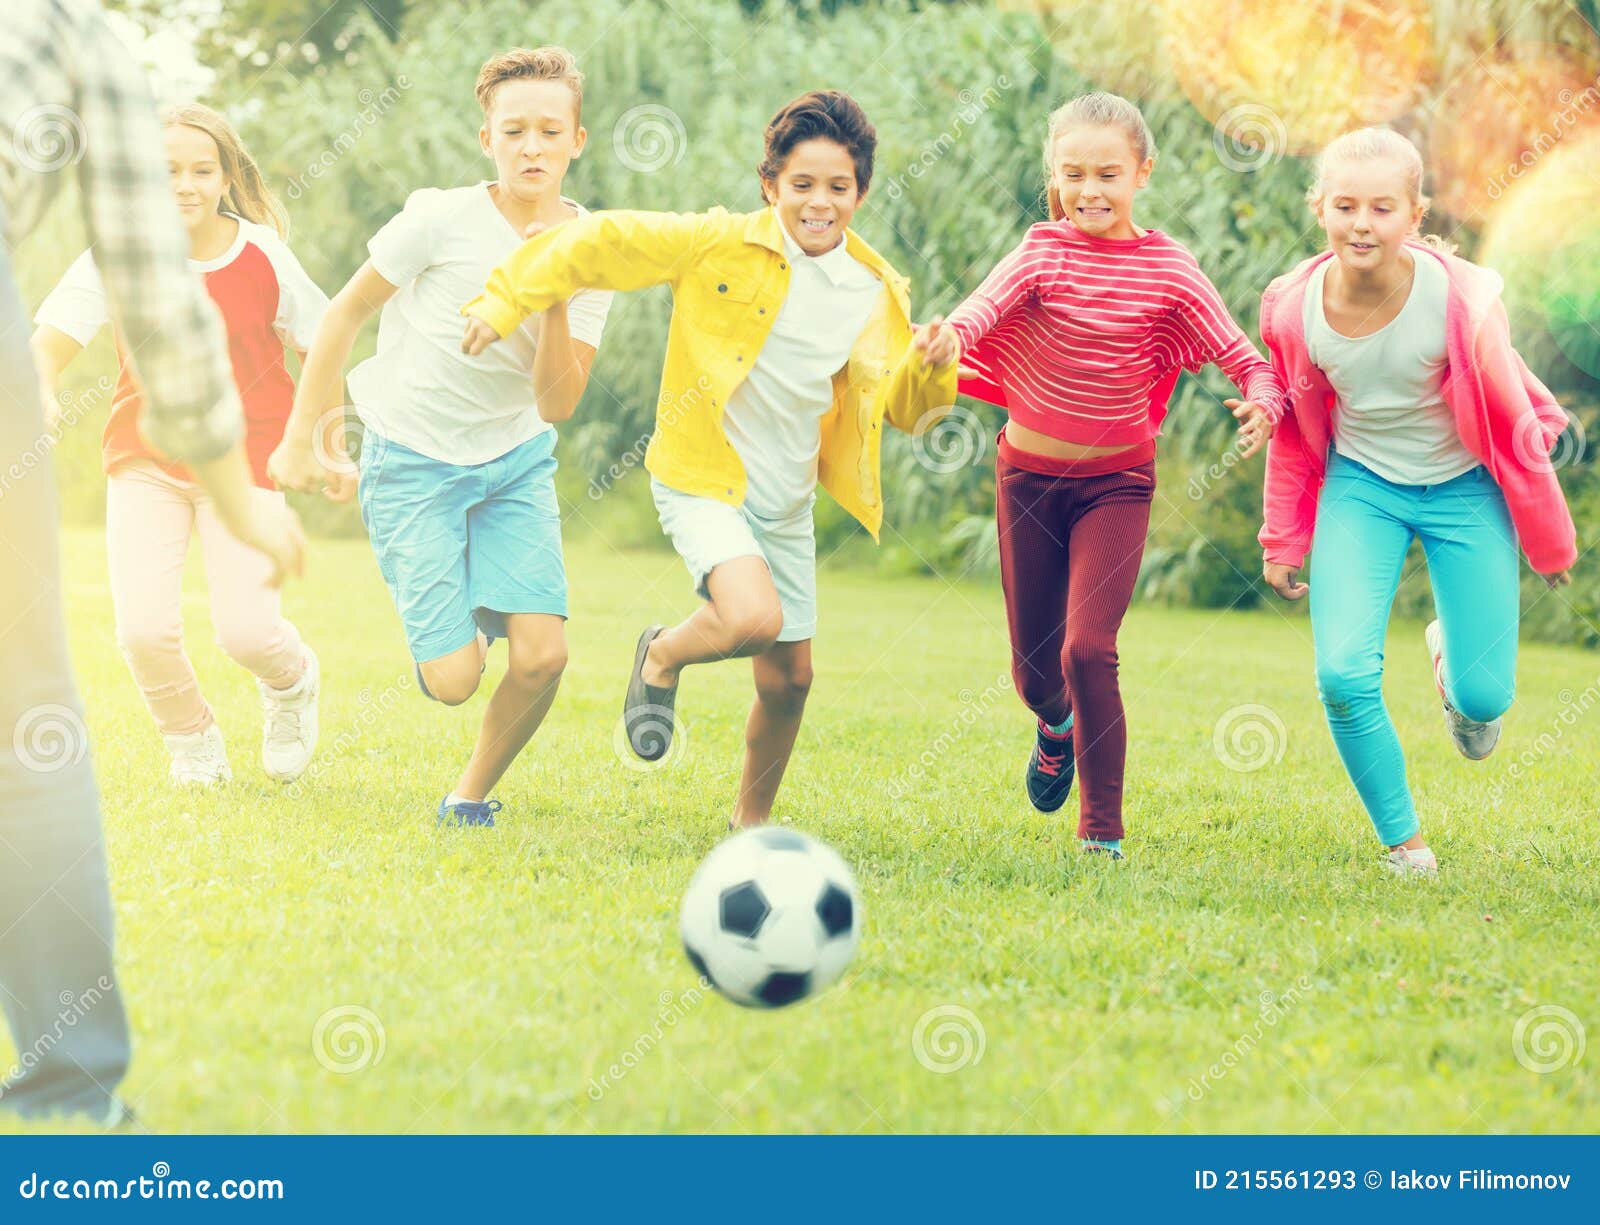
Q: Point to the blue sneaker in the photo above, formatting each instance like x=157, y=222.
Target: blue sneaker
x=467, y=812
x=1099, y=846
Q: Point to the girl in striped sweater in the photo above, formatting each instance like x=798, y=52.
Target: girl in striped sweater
x=1080, y=333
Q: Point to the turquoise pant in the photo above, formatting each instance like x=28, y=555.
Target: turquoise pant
x=1365, y=525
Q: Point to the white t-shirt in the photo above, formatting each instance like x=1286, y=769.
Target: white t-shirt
x=1392, y=417
x=419, y=389
x=78, y=306
x=774, y=418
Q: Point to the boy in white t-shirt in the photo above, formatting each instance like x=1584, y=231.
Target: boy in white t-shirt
x=457, y=466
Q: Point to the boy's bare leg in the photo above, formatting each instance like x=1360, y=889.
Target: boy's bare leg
x=743, y=617
x=783, y=679
x=537, y=646
x=453, y=678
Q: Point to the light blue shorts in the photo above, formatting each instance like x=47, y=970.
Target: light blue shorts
x=462, y=545
x=706, y=533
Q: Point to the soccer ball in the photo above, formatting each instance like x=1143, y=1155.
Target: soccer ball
x=771, y=917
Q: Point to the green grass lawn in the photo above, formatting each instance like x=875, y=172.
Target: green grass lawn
x=1249, y=967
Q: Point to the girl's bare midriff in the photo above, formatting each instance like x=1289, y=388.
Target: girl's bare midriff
x=1035, y=443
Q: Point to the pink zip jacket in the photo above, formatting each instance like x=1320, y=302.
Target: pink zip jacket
x=1505, y=416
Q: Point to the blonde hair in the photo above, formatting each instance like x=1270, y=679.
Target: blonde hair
x=248, y=195
x=539, y=64
x=1098, y=109
x=1370, y=145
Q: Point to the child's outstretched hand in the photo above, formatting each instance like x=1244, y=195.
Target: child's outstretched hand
x=1562, y=578
x=273, y=529
x=51, y=405
x=1255, y=426
x=535, y=228
x=938, y=344
x=478, y=336
x=1282, y=580
x=295, y=464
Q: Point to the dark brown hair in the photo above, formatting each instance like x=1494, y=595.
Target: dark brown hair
x=825, y=114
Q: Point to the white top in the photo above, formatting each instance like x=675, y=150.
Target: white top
x=419, y=389
x=774, y=417
x=1392, y=417
x=78, y=307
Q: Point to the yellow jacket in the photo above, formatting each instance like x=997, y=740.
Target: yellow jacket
x=729, y=276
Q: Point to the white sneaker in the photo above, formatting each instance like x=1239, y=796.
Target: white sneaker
x=1475, y=740
x=289, y=732
x=1420, y=862
x=199, y=759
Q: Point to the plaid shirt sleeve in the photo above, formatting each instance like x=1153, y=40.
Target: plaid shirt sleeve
x=86, y=84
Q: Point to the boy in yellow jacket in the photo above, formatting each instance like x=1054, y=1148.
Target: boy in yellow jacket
x=789, y=346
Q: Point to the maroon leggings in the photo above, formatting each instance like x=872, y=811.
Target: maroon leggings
x=1070, y=547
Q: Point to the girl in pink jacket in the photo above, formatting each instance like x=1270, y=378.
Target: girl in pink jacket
x=1410, y=416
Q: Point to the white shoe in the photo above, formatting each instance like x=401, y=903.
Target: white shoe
x=289, y=732
x=1420, y=862
x=199, y=759
x=1475, y=740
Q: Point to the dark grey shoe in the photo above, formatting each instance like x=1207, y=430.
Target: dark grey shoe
x=647, y=713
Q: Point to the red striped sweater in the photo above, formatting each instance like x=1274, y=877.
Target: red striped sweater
x=1082, y=338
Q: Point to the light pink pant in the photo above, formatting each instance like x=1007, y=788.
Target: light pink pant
x=149, y=519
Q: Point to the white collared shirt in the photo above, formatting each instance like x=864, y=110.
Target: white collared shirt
x=774, y=418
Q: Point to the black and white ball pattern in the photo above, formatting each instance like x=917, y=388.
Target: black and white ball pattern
x=771, y=917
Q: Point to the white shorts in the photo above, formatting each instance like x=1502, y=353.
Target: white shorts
x=706, y=533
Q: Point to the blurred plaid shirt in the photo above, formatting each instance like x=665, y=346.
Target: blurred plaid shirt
x=72, y=95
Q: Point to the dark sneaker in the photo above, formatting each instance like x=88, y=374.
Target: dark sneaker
x=1050, y=770
x=467, y=812
x=647, y=714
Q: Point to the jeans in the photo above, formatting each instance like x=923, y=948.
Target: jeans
x=1365, y=525
x=57, y=983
